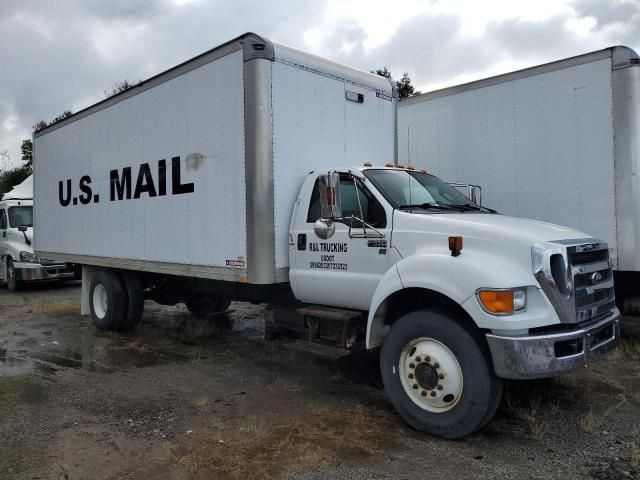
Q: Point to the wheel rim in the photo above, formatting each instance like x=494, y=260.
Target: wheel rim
x=100, y=300
x=431, y=375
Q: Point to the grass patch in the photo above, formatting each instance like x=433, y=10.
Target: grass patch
x=534, y=412
x=260, y=450
x=60, y=309
x=635, y=453
x=630, y=348
x=591, y=422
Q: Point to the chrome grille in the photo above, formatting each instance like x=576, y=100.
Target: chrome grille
x=576, y=276
x=593, y=282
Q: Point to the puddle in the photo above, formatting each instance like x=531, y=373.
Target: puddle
x=50, y=348
x=98, y=353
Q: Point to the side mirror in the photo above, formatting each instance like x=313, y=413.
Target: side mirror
x=330, y=204
x=324, y=228
x=475, y=192
x=22, y=228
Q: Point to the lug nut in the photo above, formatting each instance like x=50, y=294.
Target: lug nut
x=411, y=375
x=412, y=365
x=427, y=358
x=433, y=394
x=440, y=387
x=418, y=359
x=441, y=376
x=415, y=386
x=423, y=393
x=436, y=365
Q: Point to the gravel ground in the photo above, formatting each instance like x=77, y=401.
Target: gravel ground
x=180, y=398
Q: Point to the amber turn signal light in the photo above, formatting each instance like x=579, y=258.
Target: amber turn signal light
x=455, y=245
x=496, y=301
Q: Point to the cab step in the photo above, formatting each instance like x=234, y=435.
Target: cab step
x=318, y=349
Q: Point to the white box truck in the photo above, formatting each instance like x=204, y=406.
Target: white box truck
x=231, y=177
x=558, y=142
x=18, y=264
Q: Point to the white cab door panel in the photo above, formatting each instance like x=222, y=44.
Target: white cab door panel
x=344, y=270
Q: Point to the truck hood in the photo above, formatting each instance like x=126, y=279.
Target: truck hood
x=504, y=235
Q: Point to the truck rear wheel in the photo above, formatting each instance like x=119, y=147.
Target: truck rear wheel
x=437, y=375
x=13, y=284
x=108, y=300
x=135, y=299
x=203, y=305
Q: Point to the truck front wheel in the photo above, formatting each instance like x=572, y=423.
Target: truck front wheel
x=437, y=376
x=108, y=300
x=13, y=284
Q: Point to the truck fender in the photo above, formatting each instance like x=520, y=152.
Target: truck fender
x=456, y=278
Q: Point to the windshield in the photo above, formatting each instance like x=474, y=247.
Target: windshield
x=405, y=188
x=21, y=217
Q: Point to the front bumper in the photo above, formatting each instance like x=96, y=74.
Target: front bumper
x=553, y=354
x=28, y=272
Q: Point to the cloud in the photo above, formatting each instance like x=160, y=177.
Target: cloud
x=62, y=55
x=56, y=56
x=607, y=12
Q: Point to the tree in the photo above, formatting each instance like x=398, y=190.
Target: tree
x=27, y=151
x=404, y=86
x=42, y=124
x=120, y=87
x=62, y=116
x=383, y=72
x=405, y=89
x=11, y=176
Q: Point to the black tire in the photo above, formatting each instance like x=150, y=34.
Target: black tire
x=481, y=392
x=135, y=299
x=203, y=305
x=111, y=314
x=13, y=284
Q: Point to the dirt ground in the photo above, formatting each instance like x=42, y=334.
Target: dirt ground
x=180, y=398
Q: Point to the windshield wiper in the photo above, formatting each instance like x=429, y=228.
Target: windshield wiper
x=427, y=206
x=473, y=207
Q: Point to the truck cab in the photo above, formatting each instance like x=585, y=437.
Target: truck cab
x=18, y=264
x=452, y=292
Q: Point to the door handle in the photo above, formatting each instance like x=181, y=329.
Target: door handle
x=302, y=241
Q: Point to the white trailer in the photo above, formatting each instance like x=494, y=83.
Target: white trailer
x=558, y=142
x=220, y=180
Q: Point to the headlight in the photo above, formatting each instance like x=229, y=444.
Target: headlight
x=28, y=257
x=502, y=301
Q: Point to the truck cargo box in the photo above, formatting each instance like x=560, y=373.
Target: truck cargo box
x=196, y=171
x=556, y=142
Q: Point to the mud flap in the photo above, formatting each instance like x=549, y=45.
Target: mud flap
x=87, y=275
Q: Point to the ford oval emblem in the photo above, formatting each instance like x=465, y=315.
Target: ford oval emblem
x=596, y=277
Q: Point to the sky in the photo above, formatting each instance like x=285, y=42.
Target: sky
x=62, y=55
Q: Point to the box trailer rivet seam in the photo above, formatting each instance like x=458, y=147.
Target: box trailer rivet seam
x=346, y=257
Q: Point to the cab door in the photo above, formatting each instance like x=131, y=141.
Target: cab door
x=345, y=269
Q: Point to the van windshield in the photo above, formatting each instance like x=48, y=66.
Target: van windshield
x=21, y=217
x=411, y=188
